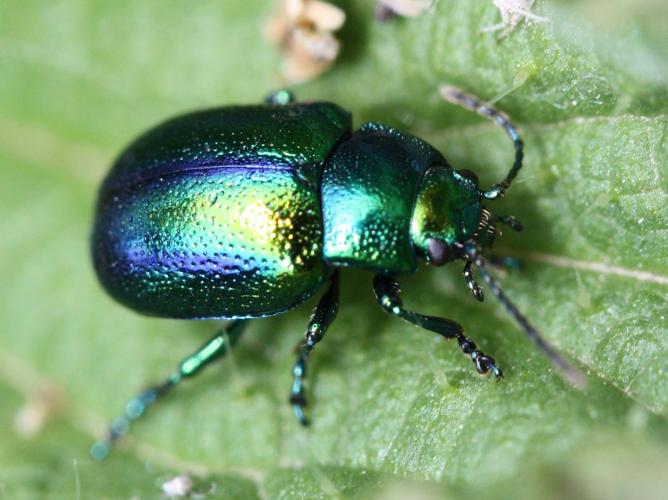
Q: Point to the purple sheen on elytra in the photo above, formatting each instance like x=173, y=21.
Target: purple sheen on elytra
x=186, y=235
x=257, y=246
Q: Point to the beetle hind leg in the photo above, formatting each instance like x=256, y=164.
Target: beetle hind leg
x=214, y=348
x=387, y=293
x=322, y=317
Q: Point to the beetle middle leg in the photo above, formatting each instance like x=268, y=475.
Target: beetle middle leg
x=280, y=97
x=387, y=293
x=214, y=348
x=322, y=316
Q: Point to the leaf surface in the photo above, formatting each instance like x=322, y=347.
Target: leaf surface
x=396, y=411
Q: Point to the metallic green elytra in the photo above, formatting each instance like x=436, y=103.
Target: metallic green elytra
x=246, y=211
x=241, y=212
x=217, y=214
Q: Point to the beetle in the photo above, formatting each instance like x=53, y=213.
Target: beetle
x=243, y=212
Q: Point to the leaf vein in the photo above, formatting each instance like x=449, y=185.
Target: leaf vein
x=597, y=267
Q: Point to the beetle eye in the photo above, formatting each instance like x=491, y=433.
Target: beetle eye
x=469, y=175
x=439, y=253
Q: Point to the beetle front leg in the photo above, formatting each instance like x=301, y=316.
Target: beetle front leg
x=214, y=348
x=473, y=287
x=387, y=293
x=322, y=316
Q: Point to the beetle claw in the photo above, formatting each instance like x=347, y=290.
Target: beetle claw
x=498, y=373
x=484, y=364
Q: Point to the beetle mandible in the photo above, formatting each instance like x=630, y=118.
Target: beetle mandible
x=245, y=211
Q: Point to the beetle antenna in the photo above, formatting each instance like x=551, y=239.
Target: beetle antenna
x=570, y=373
x=456, y=96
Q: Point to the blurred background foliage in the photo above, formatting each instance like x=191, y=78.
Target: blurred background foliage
x=396, y=411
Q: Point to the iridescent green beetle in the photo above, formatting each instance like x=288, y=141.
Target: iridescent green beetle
x=246, y=211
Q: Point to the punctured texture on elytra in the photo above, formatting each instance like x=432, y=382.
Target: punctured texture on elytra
x=217, y=213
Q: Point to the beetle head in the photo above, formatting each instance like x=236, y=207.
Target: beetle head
x=449, y=214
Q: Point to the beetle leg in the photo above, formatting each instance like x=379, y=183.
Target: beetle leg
x=387, y=293
x=214, y=348
x=280, y=97
x=510, y=221
x=475, y=290
x=572, y=374
x=322, y=316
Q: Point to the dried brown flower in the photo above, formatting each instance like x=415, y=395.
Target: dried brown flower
x=303, y=29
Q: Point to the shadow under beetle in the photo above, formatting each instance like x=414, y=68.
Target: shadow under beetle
x=245, y=211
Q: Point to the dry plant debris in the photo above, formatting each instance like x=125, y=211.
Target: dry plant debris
x=304, y=30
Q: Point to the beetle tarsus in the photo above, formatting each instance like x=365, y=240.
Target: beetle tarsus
x=484, y=364
x=473, y=286
x=297, y=395
x=134, y=409
x=298, y=402
x=323, y=315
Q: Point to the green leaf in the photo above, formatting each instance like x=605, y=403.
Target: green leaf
x=396, y=412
